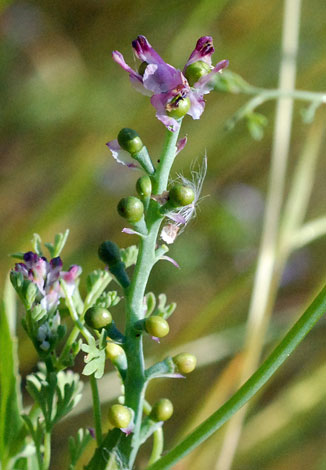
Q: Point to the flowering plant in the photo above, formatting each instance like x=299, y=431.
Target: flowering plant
x=157, y=215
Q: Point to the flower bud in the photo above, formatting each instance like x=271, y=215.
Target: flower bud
x=144, y=186
x=131, y=208
x=109, y=252
x=196, y=70
x=157, y=326
x=129, y=140
x=119, y=416
x=185, y=362
x=98, y=317
x=162, y=410
x=178, y=108
x=181, y=195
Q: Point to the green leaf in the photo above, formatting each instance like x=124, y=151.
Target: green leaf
x=256, y=123
x=10, y=403
x=129, y=255
x=37, y=244
x=95, y=359
x=78, y=445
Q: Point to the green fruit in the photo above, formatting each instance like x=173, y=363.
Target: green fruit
x=157, y=326
x=179, y=109
x=185, y=362
x=113, y=351
x=129, y=140
x=119, y=416
x=131, y=208
x=109, y=252
x=162, y=410
x=98, y=317
x=181, y=195
x=144, y=186
x=196, y=70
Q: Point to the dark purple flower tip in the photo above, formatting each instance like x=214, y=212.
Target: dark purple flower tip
x=145, y=52
x=56, y=262
x=205, y=46
x=141, y=45
x=31, y=257
x=92, y=432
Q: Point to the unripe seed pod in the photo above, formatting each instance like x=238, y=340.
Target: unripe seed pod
x=113, y=351
x=181, y=195
x=119, y=416
x=162, y=410
x=131, y=208
x=109, y=252
x=178, y=110
x=129, y=140
x=98, y=317
x=196, y=70
x=144, y=186
x=157, y=326
x=185, y=362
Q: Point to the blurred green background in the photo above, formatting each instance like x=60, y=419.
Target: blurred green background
x=63, y=98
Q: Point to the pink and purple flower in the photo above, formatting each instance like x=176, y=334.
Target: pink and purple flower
x=168, y=87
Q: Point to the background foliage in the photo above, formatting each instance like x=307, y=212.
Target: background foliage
x=63, y=98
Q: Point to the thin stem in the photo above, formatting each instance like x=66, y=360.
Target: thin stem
x=96, y=410
x=47, y=451
x=309, y=232
x=267, y=272
x=293, y=338
x=158, y=444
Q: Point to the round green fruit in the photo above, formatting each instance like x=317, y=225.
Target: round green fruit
x=180, y=108
x=129, y=140
x=196, y=70
x=144, y=186
x=119, y=416
x=98, y=317
x=113, y=351
x=181, y=195
x=157, y=326
x=185, y=362
x=162, y=410
x=131, y=208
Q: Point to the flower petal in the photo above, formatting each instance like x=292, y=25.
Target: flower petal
x=160, y=78
x=206, y=84
x=181, y=144
x=171, y=260
x=119, y=59
x=159, y=102
x=130, y=231
x=203, y=51
x=145, y=52
x=121, y=156
x=197, y=104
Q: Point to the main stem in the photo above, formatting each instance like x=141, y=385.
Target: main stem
x=135, y=382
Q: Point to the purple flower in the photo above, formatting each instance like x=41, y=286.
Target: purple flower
x=167, y=86
x=46, y=275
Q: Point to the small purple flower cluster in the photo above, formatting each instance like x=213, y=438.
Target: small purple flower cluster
x=46, y=275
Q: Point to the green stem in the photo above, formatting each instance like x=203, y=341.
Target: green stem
x=293, y=338
x=96, y=410
x=135, y=382
x=47, y=451
x=158, y=444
